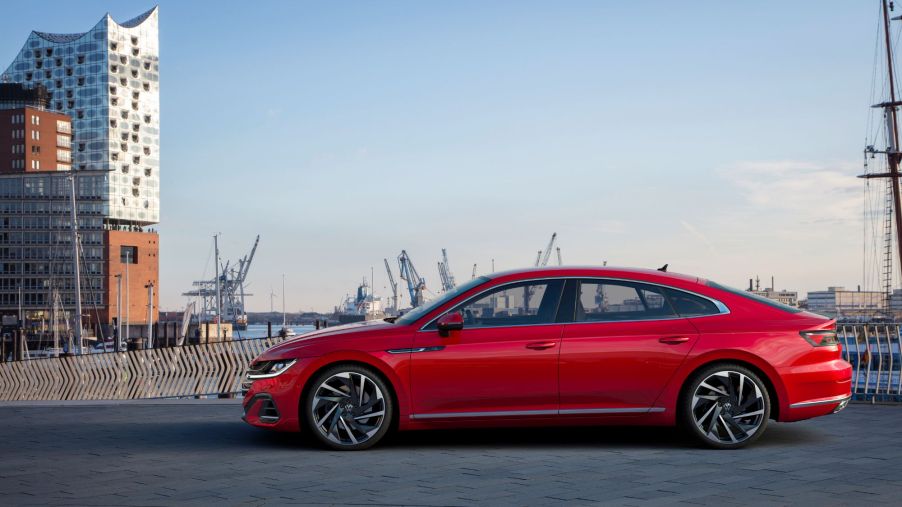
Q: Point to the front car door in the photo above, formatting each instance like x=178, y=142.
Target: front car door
x=624, y=342
x=503, y=363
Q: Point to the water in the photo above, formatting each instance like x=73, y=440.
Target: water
x=259, y=330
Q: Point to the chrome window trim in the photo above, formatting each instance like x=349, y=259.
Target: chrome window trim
x=521, y=413
x=721, y=307
x=829, y=401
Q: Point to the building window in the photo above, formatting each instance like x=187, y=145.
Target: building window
x=35, y=135
x=80, y=59
x=128, y=254
x=63, y=156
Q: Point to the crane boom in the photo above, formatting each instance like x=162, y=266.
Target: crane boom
x=415, y=284
x=444, y=271
x=547, y=254
x=394, y=287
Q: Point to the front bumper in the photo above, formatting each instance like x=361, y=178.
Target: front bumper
x=272, y=403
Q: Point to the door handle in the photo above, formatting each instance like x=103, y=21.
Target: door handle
x=541, y=345
x=674, y=340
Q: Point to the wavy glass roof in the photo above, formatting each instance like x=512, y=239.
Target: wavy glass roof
x=69, y=37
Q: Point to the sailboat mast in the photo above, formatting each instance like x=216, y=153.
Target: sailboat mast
x=284, y=323
x=218, y=296
x=892, y=135
x=76, y=268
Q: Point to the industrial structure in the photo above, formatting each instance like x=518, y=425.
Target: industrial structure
x=416, y=285
x=221, y=299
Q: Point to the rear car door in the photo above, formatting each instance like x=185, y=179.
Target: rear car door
x=622, y=345
x=503, y=363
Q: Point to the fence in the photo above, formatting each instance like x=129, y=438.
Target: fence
x=874, y=350
x=876, y=358
x=191, y=370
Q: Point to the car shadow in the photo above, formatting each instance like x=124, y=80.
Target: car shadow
x=586, y=437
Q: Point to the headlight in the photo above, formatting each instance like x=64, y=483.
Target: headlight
x=269, y=369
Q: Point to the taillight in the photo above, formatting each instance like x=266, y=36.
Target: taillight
x=820, y=338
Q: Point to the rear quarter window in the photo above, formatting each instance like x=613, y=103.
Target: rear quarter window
x=754, y=297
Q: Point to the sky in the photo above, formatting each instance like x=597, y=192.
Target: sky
x=722, y=138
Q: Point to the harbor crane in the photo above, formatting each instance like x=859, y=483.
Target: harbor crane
x=542, y=258
x=394, y=288
x=231, y=289
x=474, y=272
x=415, y=284
x=559, y=261
x=444, y=272
x=541, y=261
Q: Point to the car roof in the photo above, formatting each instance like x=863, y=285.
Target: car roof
x=595, y=271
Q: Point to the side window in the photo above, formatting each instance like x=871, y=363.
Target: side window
x=602, y=300
x=513, y=305
x=690, y=305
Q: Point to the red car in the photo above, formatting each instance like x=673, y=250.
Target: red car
x=558, y=346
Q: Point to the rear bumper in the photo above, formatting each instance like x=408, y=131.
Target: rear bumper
x=817, y=389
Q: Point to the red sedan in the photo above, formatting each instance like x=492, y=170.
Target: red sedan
x=558, y=346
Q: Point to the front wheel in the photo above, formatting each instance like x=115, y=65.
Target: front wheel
x=348, y=408
x=726, y=406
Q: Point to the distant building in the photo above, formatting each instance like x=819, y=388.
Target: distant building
x=44, y=145
x=787, y=297
x=841, y=303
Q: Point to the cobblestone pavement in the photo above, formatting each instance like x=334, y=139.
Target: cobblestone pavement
x=201, y=453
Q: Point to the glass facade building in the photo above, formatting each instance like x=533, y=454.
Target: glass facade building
x=107, y=81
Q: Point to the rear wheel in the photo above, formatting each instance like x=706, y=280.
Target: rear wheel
x=348, y=407
x=726, y=406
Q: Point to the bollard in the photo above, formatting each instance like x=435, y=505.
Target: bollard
x=268, y=329
x=17, y=343
x=316, y=323
x=207, y=332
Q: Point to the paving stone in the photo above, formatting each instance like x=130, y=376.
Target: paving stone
x=202, y=454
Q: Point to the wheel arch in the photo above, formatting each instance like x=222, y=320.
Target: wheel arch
x=765, y=373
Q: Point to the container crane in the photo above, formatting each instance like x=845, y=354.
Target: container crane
x=415, y=284
x=394, y=288
x=444, y=271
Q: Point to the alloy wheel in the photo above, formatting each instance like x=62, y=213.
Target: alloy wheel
x=728, y=407
x=348, y=408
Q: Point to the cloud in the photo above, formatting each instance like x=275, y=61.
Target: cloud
x=697, y=234
x=810, y=193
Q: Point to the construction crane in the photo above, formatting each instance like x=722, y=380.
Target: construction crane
x=542, y=258
x=444, y=272
x=232, y=293
x=394, y=288
x=415, y=284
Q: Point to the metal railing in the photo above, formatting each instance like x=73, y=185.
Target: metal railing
x=874, y=352
x=191, y=370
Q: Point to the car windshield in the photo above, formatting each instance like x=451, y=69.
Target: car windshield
x=413, y=315
x=755, y=297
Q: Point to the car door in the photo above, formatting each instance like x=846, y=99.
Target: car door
x=623, y=345
x=502, y=363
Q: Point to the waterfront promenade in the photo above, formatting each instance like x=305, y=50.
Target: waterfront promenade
x=200, y=453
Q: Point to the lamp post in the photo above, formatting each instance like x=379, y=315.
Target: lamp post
x=119, y=345
x=149, y=288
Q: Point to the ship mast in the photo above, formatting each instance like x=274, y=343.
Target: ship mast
x=892, y=153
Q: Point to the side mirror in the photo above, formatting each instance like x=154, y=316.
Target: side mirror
x=448, y=322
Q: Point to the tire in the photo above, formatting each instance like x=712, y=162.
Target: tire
x=725, y=406
x=339, y=416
